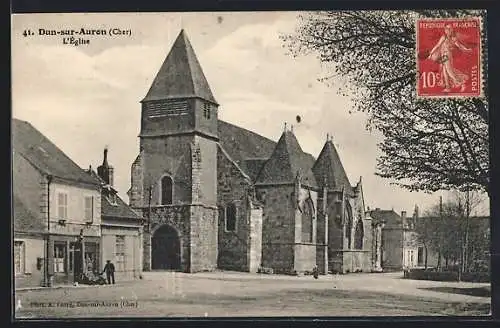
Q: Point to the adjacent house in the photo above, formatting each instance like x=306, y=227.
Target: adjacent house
x=56, y=210
x=72, y=217
x=121, y=227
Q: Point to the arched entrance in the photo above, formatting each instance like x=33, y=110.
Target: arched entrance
x=165, y=249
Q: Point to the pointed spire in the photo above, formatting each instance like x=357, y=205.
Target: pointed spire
x=286, y=159
x=180, y=75
x=330, y=166
x=284, y=129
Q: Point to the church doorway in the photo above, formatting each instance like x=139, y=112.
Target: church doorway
x=166, y=249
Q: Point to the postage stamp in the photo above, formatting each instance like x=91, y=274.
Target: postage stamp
x=449, y=57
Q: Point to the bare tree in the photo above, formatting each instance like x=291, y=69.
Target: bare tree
x=449, y=230
x=428, y=144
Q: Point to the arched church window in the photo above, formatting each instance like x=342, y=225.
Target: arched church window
x=307, y=221
x=231, y=217
x=348, y=223
x=166, y=190
x=358, y=235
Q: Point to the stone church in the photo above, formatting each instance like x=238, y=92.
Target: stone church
x=217, y=196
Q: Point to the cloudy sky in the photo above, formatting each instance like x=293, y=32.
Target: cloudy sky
x=84, y=98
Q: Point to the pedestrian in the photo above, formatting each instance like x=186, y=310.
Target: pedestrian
x=109, y=268
x=315, y=272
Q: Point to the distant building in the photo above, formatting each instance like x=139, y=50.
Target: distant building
x=219, y=196
x=121, y=227
x=399, y=245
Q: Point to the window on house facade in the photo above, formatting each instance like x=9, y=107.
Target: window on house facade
x=358, y=235
x=307, y=221
x=19, y=257
x=120, y=253
x=59, y=256
x=420, y=256
x=166, y=190
x=230, y=224
x=62, y=205
x=89, y=208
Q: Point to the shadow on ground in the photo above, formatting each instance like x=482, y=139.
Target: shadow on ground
x=471, y=291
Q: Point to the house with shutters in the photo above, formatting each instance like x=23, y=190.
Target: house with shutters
x=54, y=203
x=216, y=195
x=71, y=217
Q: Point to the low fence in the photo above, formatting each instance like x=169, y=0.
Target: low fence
x=422, y=274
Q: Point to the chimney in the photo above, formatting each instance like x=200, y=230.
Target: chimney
x=403, y=215
x=105, y=171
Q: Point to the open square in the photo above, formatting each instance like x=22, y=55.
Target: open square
x=232, y=294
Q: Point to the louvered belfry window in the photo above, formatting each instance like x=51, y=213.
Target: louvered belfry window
x=166, y=108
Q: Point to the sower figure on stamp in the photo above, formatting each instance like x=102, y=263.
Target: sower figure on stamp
x=109, y=268
x=443, y=54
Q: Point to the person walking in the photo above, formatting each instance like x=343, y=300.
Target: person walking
x=109, y=268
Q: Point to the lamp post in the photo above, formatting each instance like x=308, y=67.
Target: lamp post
x=48, y=283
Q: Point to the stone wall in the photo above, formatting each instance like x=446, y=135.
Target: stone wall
x=255, y=253
x=167, y=156
x=234, y=187
x=203, y=238
x=392, y=248
x=178, y=217
x=304, y=257
x=136, y=192
x=278, y=226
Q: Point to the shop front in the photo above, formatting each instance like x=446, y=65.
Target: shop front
x=73, y=256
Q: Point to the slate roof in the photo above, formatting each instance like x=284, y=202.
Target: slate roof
x=118, y=210
x=330, y=166
x=390, y=217
x=24, y=219
x=243, y=144
x=180, y=75
x=286, y=160
x=45, y=155
x=252, y=166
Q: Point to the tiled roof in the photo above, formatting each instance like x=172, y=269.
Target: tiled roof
x=389, y=217
x=180, y=75
x=45, y=155
x=286, y=160
x=24, y=219
x=118, y=210
x=329, y=167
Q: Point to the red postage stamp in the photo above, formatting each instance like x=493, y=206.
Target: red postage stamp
x=449, y=57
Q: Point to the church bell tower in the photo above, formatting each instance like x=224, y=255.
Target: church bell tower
x=175, y=173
